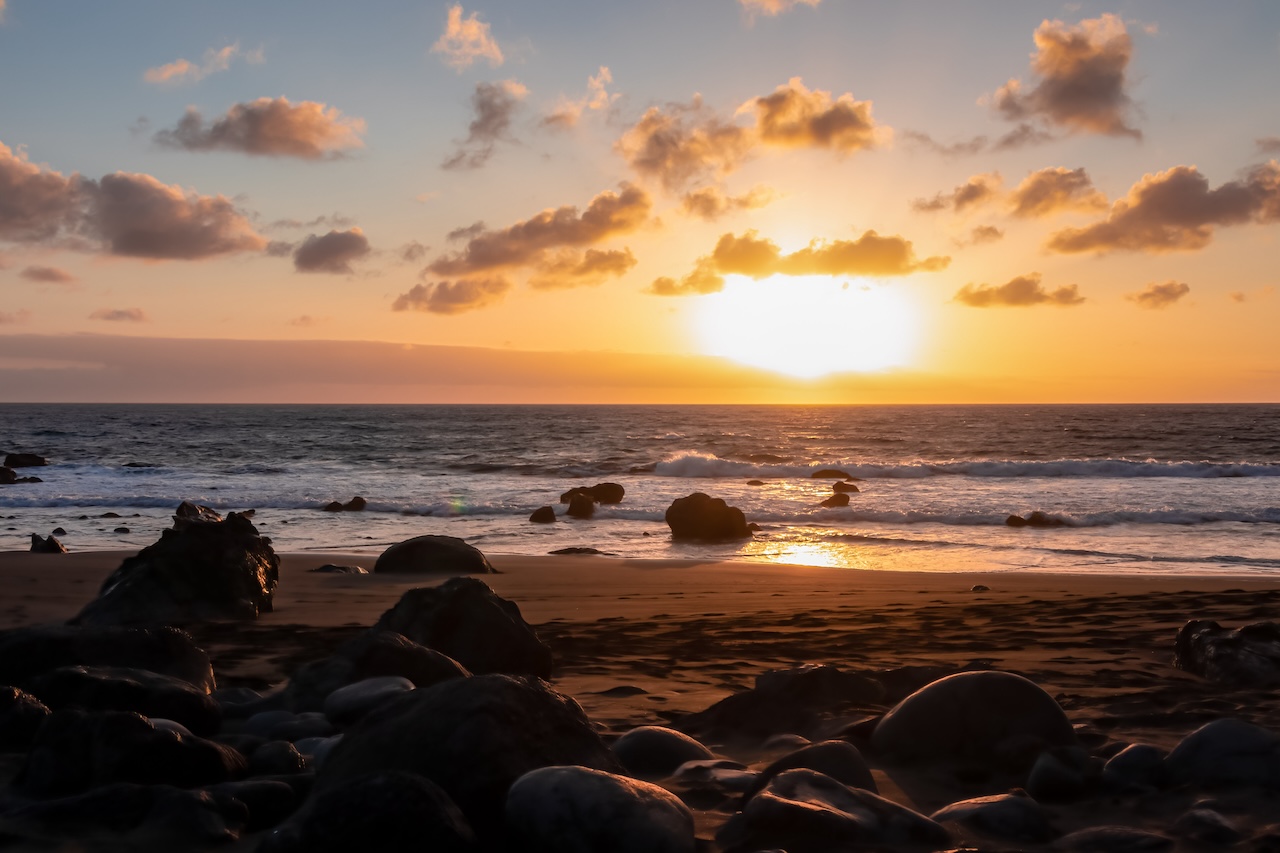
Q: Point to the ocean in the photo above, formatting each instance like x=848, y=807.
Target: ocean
x=1170, y=489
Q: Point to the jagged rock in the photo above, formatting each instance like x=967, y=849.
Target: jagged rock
x=543, y=515
x=581, y=506
x=701, y=517
x=24, y=460
x=46, y=545
x=433, y=554
x=203, y=568
x=26, y=653
x=601, y=493
x=20, y=716
x=150, y=694
x=1224, y=753
x=1007, y=817
x=837, y=759
x=464, y=619
x=837, y=500
x=1248, y=656
x=967, y=717
x=654, y=752
x=373, y=654
x=847, y=488
x=579, y=810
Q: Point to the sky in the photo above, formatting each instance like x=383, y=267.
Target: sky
x=744, y=201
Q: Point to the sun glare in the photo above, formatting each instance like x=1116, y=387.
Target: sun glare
x=808, y=327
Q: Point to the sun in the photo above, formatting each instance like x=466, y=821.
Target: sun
x=808, y=326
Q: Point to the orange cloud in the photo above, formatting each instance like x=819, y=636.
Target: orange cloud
x=1269, y=145
x=711, y=203
x=1021, y=292
x=184, y=71
x=120, y=315
x=332, y=252
x=985, y=234
x=773, y=8
x=1175, y=210
x=797, y=117
x=684, y=144
x=452, y=297
x=48, y=275
x=568, y=112
x=1082, y=79
x=978, y=190
x=465, y=40
x=1160, y=295
x=494, y=104
x=967, y=148
x=1051, y=190
x=569, y=269
x=37, y=202
x=271, y=127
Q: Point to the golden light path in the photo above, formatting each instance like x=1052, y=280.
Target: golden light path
x=808, y=327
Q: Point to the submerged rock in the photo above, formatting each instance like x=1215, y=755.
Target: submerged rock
x=24, y=460
x=601, y=493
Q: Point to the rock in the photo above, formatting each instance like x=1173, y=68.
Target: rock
x=1248, y=656
x=979, y=587
x=803, y=810
x=332, y=506
x=356, y=504
x=543, y=515
x=1226, y=752
x=1138, y=765
x=266, y=801
x=347, y=704
x=655, y=752
x=276, y=758
x=7, y=476
x=701, y=517
x=49, y=545
x=390, y=812
x=1113, y=839
x=433, y=554
x=966, y=717
x=76, y=750
x=577, y=552
x=837, y=759
x=473, y=737
x=847, y=488
x=579, y=810
x=373, y=654
x=1035, y=519
x=836, y=500
x=1206, y=826
x=830, y=474
x=1007, y=817
x=121, y=530
x=59, y=531
x=464, y=619
x=581, y=506
x=755, y=482
x=728, y=775
x=20, y=716
x=26, y=653
x=199, y=570
x=1060, y=775
x=105, y=688
x=601, y=493
x=24, y=460
x=331, y=569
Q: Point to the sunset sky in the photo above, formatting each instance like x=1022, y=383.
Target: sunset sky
x=710, y=201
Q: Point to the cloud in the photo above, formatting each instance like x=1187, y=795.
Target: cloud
x=120, y=315
x=796, y=117
x=607, y=215
x=1082, y=79
x=1020, y=292
x=269, y=127
x=1175, y=210
x=1160, y=295
x=495, y=104
x=711, y=203
x=48, y=275
x=772, y=8
x=280, y=248
x=1055, y=189
x=35, y=203
x=1022, y=136
x=413, y=251
x=985, y=234
x=756, y=257
x=466, y=232
x=184, y=71
x=465, y=40
x=2, y=5
x=1269, y=145
x=306, y=321
x=332, y=252
x=967, y=148
x=978, y=190
x=452, y=297
x=568, y=112
x=685, y=143
x=14, y=318
x=567, y=268
x=335, y=220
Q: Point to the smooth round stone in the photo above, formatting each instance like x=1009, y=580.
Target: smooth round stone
x=347, y=704
x=262, y=723
x=655, y=751
x=174, y=726
x=317, y=749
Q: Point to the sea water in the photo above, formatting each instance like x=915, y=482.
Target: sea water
x=1137, y=488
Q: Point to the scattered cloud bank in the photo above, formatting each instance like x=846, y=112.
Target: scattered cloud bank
x=568, y=112
x=494, y=104
x=1156, y=296
x=185, y=71
x=332, y=252
x=14, y=318
x=453, y=297
x=1021, y=292
x=48, y=275
x=466, y=40
x=1042, y=193
x=120, y=315
x=269, y=127
x=964, y=148
x=1082, y=82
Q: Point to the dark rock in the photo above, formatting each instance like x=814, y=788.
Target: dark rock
x=121, y=530
x=390, y=812
x=847, y=488
x=467, y=621
x=150, y=694
x=831, y=474
x=701, y=517
x=1138, y=765
x=76, y=750
x=373, y=654
x=20, y=716
x=356, y=504
x=601, y=493
x=433, y=554
x=473, y=737
x=308, y=724
x=110, y=515
x=331, y=569
x=1007, y=817
x=564, y=809
x=266, y=801
x=1248, y=656
x=24, y=460
x=654, y=752
x=7, y=476
x=837, y=759
x=979, y=587
x=755, y=482
x=59, y=531
x=49, y=545
x=579, y=552
x=966, y=717
x=26, y=653
x=836, y=500
x=1206, y=826
x=347, y=704
x=276, y=758
x=543, y=515
x=804, y=811
x=1035, y=519
x=333, y=506
x=1061, y=775
x=581, y=506
x=1226, y=752
x=200, y=569
x=1113, y=839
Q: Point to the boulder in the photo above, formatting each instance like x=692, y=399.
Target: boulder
x=347, y=704
x=847, y=488
x=201, y=569
x=655, y=752
x=1113, y=839
x=1248, y=656
x=1208, y=827
x=1035, y=519
x=266, y=801
x=1062, y=774
x=24, y=460
x=1138, y=766
x=831, y=474
x=543, y=515
x=20, y=716
x=803, y=811
x=471, y=736
x=836, y=500
x=7, y=476
x=433, y=554
x=189, y=512
x=105, y=688
x=464, y=619
x=276, y=758
x=579, y=810
x=1008, y=817
x=966, y=717
x=356, y=504
x=581, y=506
x=601, y=493
x=46, y=545
x=26, y=653
x=701, y=517
x=838, y=759
x=1225, y=753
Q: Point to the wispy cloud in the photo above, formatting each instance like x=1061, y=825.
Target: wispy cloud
x=567, y=112
x=1156, y=296
x=270, y=127
x=466, y=40
x=494, y=105
x=48, y=275
x=1021, y=292
x=773, y=8
x=120, y=315
x=215, y=59
x=711, y=203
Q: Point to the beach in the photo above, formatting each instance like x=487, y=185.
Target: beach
x=649, y=642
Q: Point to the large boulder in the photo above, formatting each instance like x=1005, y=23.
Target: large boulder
x=601, y=493
x=26, y=653
x=46, y=544
x=967, y=717
x=433, y=555
x=24, y=460
x=654, y=752
x=201, y=569
x=581, y=506
x=1008, y=817
x=464, y=619
x=579, y=810
x=702, y=517
x=1248, y=656
x=838, y=759
x=471, y=736
x=543, y=515
x=105, y=688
